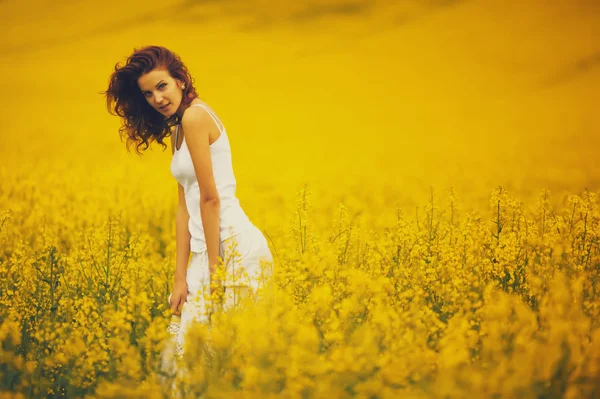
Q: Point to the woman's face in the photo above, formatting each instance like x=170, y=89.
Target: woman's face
x=162, y=92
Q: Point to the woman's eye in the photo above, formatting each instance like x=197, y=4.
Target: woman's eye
x=162, y=85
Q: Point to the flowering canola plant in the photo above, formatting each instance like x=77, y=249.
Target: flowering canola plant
x=447, y=304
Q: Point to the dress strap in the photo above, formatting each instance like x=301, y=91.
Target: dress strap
x=177, y=136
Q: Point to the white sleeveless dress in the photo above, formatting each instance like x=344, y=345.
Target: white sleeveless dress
x=243, y=268
x=233, y=219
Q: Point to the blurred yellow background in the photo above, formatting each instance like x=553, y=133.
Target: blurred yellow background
x=380, y=98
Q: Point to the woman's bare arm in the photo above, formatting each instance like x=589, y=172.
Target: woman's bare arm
x=197, y=125
x=183, y=236
x=182, y=232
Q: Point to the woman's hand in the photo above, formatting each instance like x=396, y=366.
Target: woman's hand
x=179, y=295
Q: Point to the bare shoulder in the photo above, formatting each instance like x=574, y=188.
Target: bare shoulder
x=197, y=122
x=195, y=116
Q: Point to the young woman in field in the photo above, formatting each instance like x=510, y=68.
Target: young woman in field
x=154, y=94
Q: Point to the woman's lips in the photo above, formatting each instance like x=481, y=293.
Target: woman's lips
x=165, y=107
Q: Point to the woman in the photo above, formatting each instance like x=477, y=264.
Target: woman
x=152, y=93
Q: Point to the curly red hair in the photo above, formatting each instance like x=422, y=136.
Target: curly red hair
x=142, y=124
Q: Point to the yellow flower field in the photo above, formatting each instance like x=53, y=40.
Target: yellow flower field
x=425, y=173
